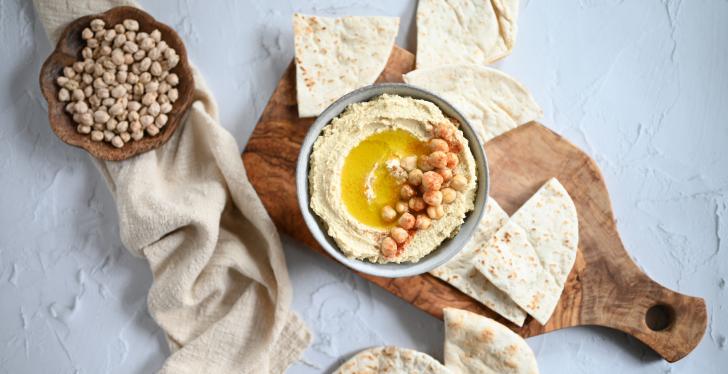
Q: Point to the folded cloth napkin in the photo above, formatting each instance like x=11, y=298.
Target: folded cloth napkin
x=221, y=291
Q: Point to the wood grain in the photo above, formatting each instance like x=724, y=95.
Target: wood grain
x=605, y=288
x=68, y=50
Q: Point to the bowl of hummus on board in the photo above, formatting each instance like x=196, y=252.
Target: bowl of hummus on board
x=392, y=180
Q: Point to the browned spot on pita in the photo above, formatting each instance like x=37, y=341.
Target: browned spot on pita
x=487, y=335
x=535, y=300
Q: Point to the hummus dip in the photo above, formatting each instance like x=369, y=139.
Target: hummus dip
x=350, y=179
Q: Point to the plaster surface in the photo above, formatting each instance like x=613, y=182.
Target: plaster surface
x=639, y=85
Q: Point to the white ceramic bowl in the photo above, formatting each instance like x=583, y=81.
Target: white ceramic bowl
x=448, y=248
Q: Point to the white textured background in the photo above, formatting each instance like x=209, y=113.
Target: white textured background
x=640, y=85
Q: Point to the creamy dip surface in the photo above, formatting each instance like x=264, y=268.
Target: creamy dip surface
x=350, y=179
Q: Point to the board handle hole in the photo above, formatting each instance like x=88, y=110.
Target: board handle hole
x=659, y=317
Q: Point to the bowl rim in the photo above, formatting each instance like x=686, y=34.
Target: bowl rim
x=446, y=250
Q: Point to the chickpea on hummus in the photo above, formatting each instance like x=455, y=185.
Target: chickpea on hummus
x=391, y=179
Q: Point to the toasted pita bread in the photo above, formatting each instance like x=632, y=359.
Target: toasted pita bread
x=510, y=262
x=462, y=274
x=335, y=56
x=464, y=31
x=476, y=344
x=391, y=360
x=549, y=218
x=493, y=102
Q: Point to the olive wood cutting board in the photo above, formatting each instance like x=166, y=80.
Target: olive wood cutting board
x=605, y=288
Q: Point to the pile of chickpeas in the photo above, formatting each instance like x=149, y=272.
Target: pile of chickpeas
x=430, y=182
x=123, y=88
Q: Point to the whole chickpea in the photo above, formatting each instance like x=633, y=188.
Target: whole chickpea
x=456, y=146
x=406, y=221
x=444, y=131
x=152, y=130
x=445, y=173
x=415, y=177
x=423, y=163
x=399, y=234
x=459, y=182
x=409, y=163
x=422, y=222
x=431, y=181
x=388, y=246
x=435, y=212
x=416, y=204
x=452, y=160
x=448, y=195
x=401, y=207
x=433, y=198
x=438, y=159
x=406, y=192
x=438, y=145
x=388, y=213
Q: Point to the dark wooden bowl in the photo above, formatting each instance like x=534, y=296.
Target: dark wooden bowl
x=68, y=51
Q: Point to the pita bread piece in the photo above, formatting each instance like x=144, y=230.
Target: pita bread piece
x=510, y=262
x=464, y=31
x=492, y=101
x=335, y=56
x=461, y=274
x=477, y=344
x=550, y=220
x=391, y=360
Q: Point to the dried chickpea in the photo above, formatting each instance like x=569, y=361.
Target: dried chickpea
x=111, y=124
x=101, y=116
x=146, y=120
x=152, y=130
x=87, y=34
x=117, y=142
x=131, y=24
x=64, y=95
x=108, y=136
x=173, y=79
x=161, y=120
x=173, y=95
x=137, y=135
x=165, y=108
x=156, y=35
x=97, y=136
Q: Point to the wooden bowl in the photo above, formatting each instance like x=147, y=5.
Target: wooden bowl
x=68, y=51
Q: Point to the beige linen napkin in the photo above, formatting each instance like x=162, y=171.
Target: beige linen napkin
x=221, y=290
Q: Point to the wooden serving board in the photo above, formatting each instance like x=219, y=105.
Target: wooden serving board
x=605, y=287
